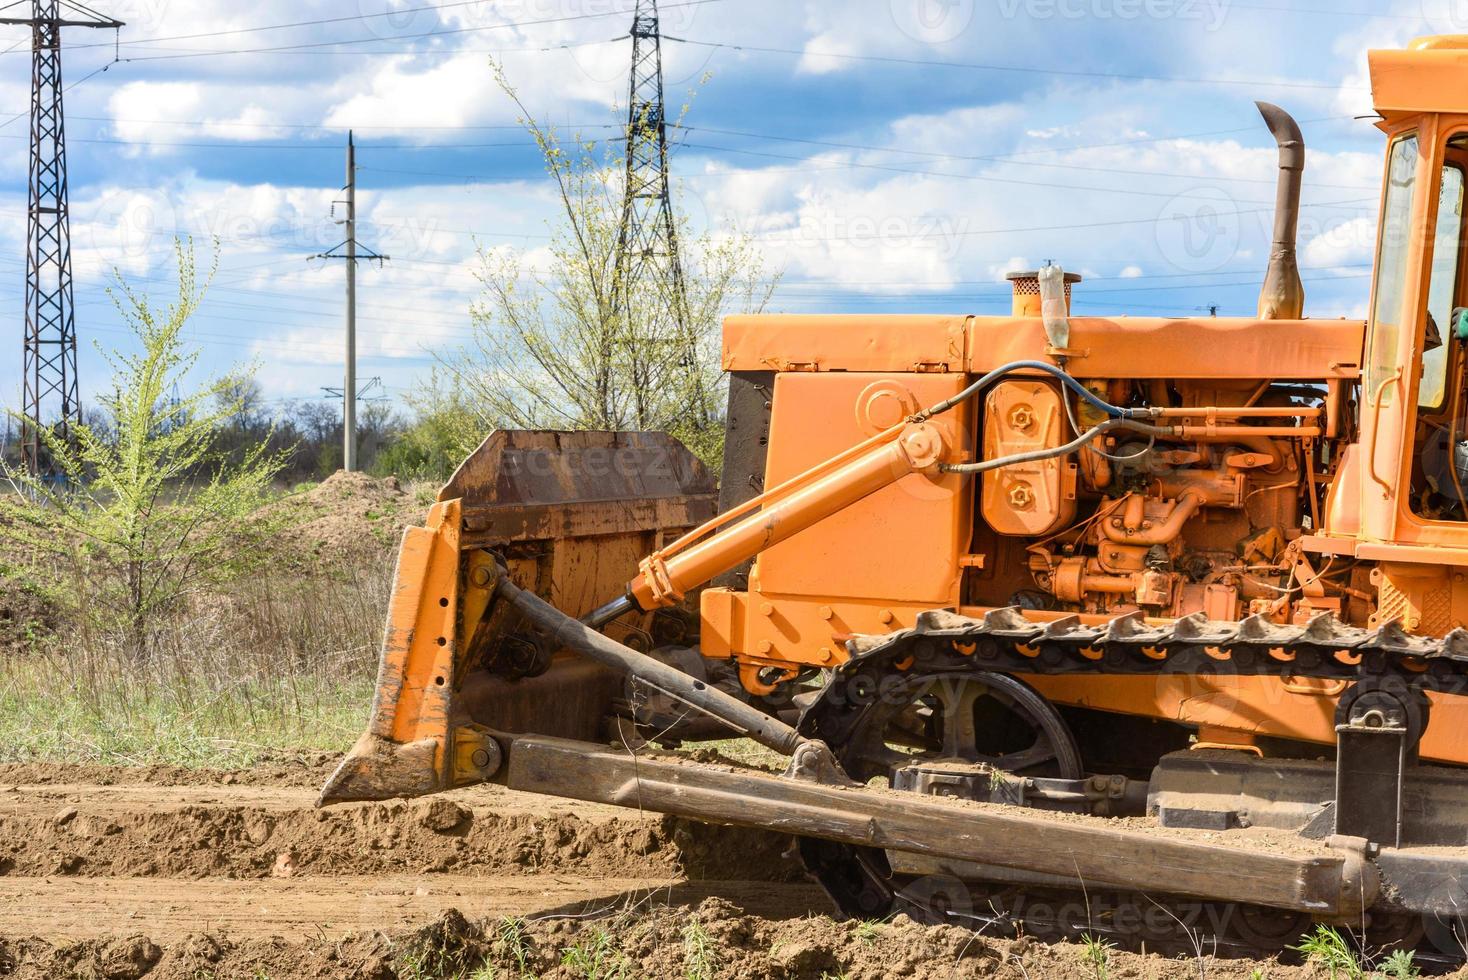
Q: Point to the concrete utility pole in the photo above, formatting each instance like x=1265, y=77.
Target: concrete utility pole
x=349, y=386
x=348, y=250
x=50, y=326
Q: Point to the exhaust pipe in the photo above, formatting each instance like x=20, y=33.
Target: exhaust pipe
x=1283, y=295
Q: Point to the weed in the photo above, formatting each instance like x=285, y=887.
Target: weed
x=1399, y=966
x=1327, y=948
x=700, y=955
x=512, y=943
x=596, y=958
x=414, y=966
x=866, y=932
x=1097, y=954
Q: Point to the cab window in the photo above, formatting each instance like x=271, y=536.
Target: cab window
x=1441, y=290
x=1391, y=266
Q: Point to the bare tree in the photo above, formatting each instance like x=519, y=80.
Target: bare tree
x=560, y=343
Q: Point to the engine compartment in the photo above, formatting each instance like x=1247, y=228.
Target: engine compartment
x=1170, y=528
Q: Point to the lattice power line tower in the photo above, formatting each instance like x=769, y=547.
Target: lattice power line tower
x=647, y=244
x=50, y=326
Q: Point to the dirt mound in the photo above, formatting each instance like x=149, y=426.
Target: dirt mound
x=346, y=517
x=715, y=940
x=239, y=832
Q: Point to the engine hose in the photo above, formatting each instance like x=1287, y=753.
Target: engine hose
x=1082, y=392
x=983, y=466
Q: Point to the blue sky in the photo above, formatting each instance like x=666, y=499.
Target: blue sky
x=886, y=155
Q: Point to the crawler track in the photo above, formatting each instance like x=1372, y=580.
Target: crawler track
x=944, y=650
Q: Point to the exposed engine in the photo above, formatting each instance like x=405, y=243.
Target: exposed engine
x=1171, y=529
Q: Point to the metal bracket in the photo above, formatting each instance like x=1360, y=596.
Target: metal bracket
x=1371, y=761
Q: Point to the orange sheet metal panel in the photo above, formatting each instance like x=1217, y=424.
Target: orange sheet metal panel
x=1151, y=347
x=1297, y=708
x=844, y=343
x=1420, y=79
x=900, y=543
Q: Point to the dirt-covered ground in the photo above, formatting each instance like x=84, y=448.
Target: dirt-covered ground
x=183, y=873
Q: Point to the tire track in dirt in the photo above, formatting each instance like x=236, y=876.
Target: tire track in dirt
x=58, y=909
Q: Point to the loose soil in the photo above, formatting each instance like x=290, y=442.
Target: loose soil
x=74, y=824
x=174, y=873
x=346, y=519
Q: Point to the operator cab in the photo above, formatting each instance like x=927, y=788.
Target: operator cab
x=1440, y=453
x=1411, y=468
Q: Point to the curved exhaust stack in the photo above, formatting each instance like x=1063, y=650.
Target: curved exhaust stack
x=1283, y=295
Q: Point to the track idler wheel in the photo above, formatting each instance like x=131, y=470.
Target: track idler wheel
x=973, y=717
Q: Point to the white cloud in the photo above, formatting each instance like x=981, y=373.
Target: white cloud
x=1348, y=243
x=999, y=271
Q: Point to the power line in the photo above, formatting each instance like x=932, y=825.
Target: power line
x=996, y=158
x=233, y=145
x=299, y=23
x=317, y=45
x=1018, y=69
x=89, y=75
x=985, y=178
x=1037, y=228
x=1326, y=12
x=390, y=13
x=332, y=129
x=173, y=54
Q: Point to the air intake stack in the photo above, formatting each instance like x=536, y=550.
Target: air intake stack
x=1025, y=299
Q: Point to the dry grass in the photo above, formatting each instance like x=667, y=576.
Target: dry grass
x=283, y=661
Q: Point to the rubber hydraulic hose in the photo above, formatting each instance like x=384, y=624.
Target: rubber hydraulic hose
x=983, y=466
x=1082, y=392
x=569, y=634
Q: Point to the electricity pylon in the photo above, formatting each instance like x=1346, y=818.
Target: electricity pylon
x=50, y=326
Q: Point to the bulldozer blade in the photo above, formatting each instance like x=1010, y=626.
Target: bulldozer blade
x=1333, y=879
x=567, y=516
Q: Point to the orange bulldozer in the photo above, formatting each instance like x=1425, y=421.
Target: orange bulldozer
x=1030, y=604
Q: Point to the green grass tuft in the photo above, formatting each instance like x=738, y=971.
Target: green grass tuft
x=1329, y=950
